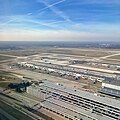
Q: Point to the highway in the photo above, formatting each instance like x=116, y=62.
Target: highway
x=16, y=101
x=6, y=115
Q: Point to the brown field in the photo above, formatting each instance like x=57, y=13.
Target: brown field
x=6, y=78
x=66, y=51
x=111, y=61
x=2, y=57
x=81, y=52
x=115, y=57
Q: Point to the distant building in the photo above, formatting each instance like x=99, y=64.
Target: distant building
x=111, y=87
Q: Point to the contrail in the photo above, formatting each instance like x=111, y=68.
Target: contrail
x=8, y=22
x=49, y=6
x=12, y=20
x=49, y=24
x=55, y=10
x=28, y=14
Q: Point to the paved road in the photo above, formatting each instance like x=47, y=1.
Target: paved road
x=8, y=55
x=109, y=56
x=96, y=69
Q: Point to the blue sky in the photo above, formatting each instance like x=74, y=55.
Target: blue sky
x=46, y=20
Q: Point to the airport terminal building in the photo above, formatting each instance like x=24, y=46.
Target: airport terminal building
x=74, y=104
